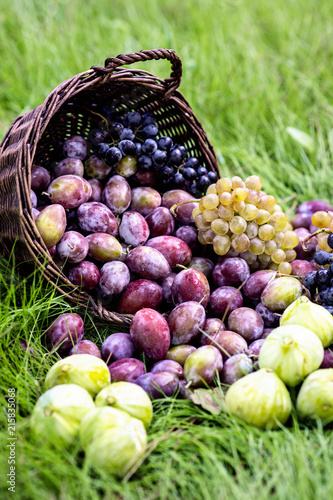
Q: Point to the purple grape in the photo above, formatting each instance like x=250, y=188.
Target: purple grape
x=69, y=166
x=85, y=347
x=190, y=285
x=168, y=365
x=95, y=217
x=117, y=346
x=145, y=199
x=256, y=283
x=247, y=322
x=117, y=194
x=86, y=275
x=114, y=278
x=148, y=263
x=230, y=271
x=176, y=251
x=225, y=298
x=40, y=178
x=159, y=384
x=66, y=331
x=140, y=294
x=73, y=247
x=270, y=318
x=160, y=222
x=150, y=333
x=75, y=147
x=126, y=370
x=236, y=367
x=185, y=322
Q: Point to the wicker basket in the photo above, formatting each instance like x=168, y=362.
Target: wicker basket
x=74, y=108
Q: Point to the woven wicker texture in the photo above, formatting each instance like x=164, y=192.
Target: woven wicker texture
x=74, y=108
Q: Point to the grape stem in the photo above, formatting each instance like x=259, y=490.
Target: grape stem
x=304, y=242
x=175, y=207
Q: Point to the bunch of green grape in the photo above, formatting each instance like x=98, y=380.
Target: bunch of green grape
x=237, y=218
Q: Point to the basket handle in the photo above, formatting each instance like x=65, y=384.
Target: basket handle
x=172, y=83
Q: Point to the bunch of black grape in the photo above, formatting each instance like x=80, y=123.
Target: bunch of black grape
x=132, y=144
x=320, y=283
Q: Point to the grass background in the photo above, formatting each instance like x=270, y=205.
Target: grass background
x=250, y=70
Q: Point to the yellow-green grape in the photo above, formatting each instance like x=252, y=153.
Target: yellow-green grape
x=196, y=211
x=225, y=212
x=330, y=226
x=249, y=257
x=279, y=237
x=273, y=266
x=290, y=240
x=238, y=206
x=257, y=246
x=278, y=256
x=262, y=217
x=237, y=182
x=240, y=242
x=270, y=246
x=321, y=219
x=210, y=215
x=264, y=258
x=209, y=236
x=252, y=230
x=252, y=197
x=266, y=232
x=237, y=225
x=287, y=227
x=250, y=212
x=290, y=255
x=322, y=242
x=221, y=244
x=201, y=205
x=201, y=223
x=253, y=182
x=285, y=268
x=211, y=189
x=267, y=202
x=223, y=185
x=220, y=226
x=278, y=220
x=210, y=201
x=277, y=208
x=239, y=194
x=226, y=198
x=201, y=237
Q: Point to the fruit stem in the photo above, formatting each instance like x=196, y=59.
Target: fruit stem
x=304, y=242
x=175, y=207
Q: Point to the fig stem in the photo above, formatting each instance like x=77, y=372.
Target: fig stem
x=175, y=207
x=304, y=242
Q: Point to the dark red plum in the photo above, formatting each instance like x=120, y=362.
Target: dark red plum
x=117, y=346
x=229, y=343
x=185, y=322
x=140, y=294
x=184, y=212
x=40, y=178
x=310, y=245
x=148, y=263
x=230, y=271
x=225, y=298
x=145, y=199
x=203, y=365
x=255, y=346
x=266, y=332
x=114, y=277
x=126, y=370
x=328, y=358
x=150, y=333
x=271, y=319
x=180, y=353
x=236, y=367
x=69, y=166
x=168, y=365
x=66, y=331
x=190, y=285
x=73, y=247
x=247, y=322
x=75, y=147
x=96, y=190
x=86, y=347
x=145, y=178
x=313, y=206
x=175, y=251
x=211, y=326
x=302, y=267
x=133, y=229
x=33, y=199
x=70, y=191
x=86, y=275
x=95, y=217
x=104, y=247
x=301, y=220
x=159, y=384
x=160, y=222
x=189, y=234
x=166, y=288
x=256, y=283
x=117, y=194
x=95, y=168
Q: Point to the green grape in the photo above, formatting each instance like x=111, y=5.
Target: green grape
x=279, y=237
x=285, y=268
x=209, y=236
x=210, y=201
x=201, y=223
x=224, y=185
x=262, y=217
x=252, y=230
x=252, y=197
x=250, y=212
x=226, y=198
x=211, y=189
x=239, y=194
x=201, y=237
x=240, y=242
x=278, y=256
x=321, y=219
x=237, y=182
x=221, y=244
x=253, y=182
x=238, y=206
x=322, y=242
x=290, y=255
x=237, y=225
x=257, y=246
x=220, y=226
x=290, y=240
x=270, y=246
x=273, y=266
x=277, y=208
x=278, y=220
x=266, y=232
x=226, y=213
x=267, y=202
x=264, y=258
x=196, y=211
x=210, y=215
x=249, y=257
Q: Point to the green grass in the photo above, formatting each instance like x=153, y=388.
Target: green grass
x=250, y=70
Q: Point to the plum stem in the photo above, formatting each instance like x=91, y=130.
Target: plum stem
x=304, y=242
x=175, y=207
